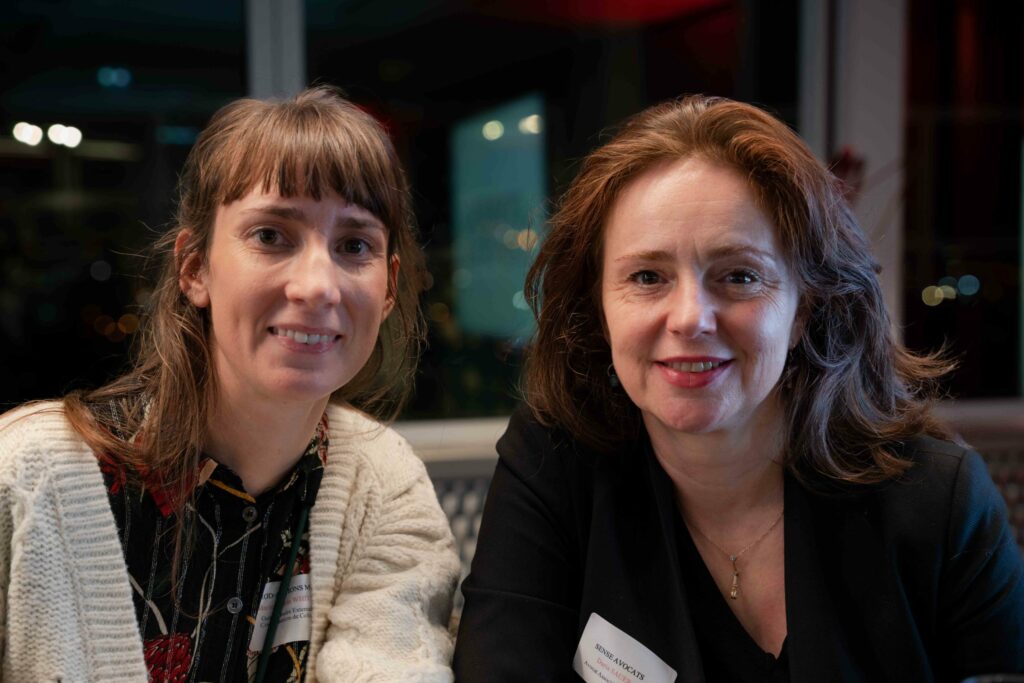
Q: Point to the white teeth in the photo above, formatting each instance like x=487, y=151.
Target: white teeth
x=302, y=337
x=702, y=366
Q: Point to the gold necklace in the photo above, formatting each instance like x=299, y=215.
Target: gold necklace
x=734, y=591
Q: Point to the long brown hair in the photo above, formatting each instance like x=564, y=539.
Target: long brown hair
x=851, y=390
x=154, y=417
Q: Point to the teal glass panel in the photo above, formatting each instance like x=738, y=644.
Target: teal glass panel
x=498, y=194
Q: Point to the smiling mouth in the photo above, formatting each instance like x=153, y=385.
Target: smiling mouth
x=302, y=337
x=700, y=366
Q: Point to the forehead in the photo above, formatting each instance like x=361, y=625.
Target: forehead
x=695, y=201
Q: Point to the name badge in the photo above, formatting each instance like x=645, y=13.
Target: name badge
x=607, y=654
x=296, y=620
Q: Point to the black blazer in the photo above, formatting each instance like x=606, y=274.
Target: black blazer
x=915, y=580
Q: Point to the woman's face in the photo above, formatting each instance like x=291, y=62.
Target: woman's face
x=297, y=291
x=699, y=305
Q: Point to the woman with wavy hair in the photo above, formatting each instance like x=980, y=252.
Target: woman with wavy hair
x=231, y=508
x=727, y=468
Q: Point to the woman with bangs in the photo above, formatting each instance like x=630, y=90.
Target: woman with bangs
x=232, y=508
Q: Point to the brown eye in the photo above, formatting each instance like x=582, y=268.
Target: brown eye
x=742, y=277
x=267, y=236
x=645, y=277
x=355, y=246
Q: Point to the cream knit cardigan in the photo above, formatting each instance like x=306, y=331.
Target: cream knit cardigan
x=382, y=561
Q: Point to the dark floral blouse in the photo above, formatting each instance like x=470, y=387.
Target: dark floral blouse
x=200, y=626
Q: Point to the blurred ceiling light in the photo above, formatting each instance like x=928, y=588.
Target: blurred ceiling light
x=56, y=133
x=27, y=133
x=59, y=134
x=530, y=125
x=72, y=136
x=493, y=130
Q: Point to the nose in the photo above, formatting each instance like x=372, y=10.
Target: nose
x=313, y=277
x=692, y=310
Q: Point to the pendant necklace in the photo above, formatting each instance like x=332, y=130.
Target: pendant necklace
x=734, y=591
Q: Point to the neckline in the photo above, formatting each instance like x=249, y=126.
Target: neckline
x=708, y=602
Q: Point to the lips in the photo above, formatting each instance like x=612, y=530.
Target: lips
x=692, y=373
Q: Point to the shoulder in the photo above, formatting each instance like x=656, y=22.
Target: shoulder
x=545, y=465
x=530, y=448
x=378, y=450
x=946, y=497
x=937, y=469
x=36, y=437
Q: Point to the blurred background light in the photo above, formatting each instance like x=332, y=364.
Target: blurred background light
x=27, y=133
x=968, y=285
x=530, y=125
x=176, y=135
x=100, y=271
x=59, y=134
x=56, y=134
x=113, y=77
x=72, y=136
x=493, y=130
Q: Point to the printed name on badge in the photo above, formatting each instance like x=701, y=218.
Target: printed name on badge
x=607, y=654
x=296, y=617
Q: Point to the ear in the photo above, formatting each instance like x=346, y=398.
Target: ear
x=389, y=301
x=191, y=271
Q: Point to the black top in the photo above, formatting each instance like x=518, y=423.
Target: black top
x=200, y=628
x=727, y=651
x=916, y=580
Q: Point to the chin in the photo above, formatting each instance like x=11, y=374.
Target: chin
x=303, y=389
x=688, y=421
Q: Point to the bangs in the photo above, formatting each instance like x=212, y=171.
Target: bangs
x=301, y=151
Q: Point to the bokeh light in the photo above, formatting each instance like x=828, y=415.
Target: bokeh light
x=530, y=125
x=493, y=130
x=100, y=271
x=27, y=133
x=968, y=285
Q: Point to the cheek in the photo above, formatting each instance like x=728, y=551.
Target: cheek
x=617, y=331
x=368, y=298
x=769, y=341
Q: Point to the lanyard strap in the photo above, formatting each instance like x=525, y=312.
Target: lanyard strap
x=282, y=591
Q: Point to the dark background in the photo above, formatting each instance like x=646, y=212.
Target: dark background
x=73, y=223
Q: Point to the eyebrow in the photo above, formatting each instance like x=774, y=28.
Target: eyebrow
x=716, y=252
x=296, y=214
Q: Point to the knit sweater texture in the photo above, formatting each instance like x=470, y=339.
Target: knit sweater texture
x=383, y=568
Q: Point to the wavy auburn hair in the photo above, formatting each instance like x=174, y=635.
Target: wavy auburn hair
x=311, y=145
x=851, y=391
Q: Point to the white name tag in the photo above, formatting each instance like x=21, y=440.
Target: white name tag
x=608, y=655
x=296, y=616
